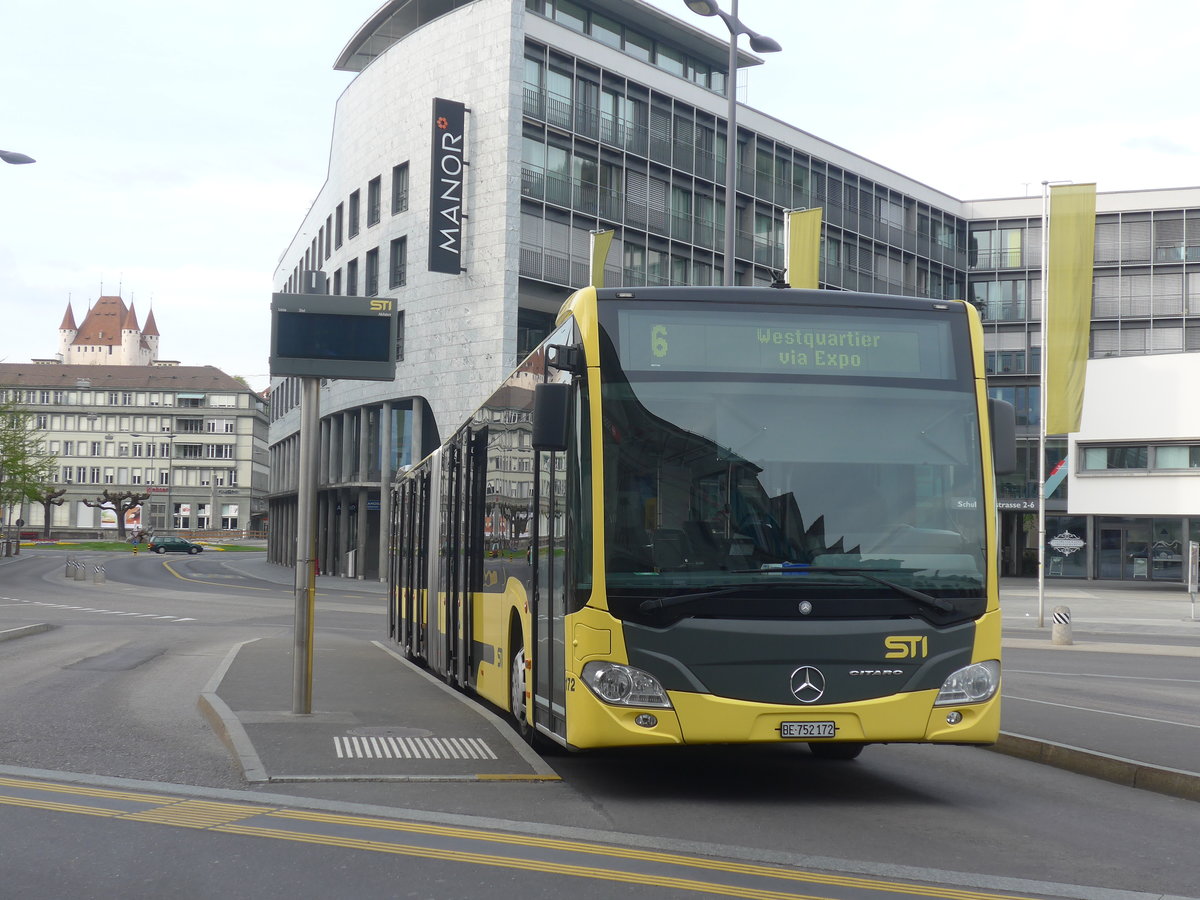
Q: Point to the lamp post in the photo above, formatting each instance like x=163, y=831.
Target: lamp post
x=759, y=43
x=169, y=518
x=14, y=158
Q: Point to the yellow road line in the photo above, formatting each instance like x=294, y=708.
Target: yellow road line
x=225, y=584
x=634, y=853
x=229, y=818
x=528, y=865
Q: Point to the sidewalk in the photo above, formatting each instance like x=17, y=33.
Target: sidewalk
x=1100, y=606
x=1102, y=617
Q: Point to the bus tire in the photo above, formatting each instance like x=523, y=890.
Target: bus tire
x=516, y=692
x=516, y=698
x=842, y=750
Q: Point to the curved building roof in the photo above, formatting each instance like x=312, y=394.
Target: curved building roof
x=397, y=19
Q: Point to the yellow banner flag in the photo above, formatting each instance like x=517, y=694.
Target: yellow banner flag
x=1068, y=312
x=600, y=244
x=803, y=248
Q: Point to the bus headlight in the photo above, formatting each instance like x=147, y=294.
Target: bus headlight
x=971, y=684
x=624, y=685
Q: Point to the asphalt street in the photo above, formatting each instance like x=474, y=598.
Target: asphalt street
x=1115, y=694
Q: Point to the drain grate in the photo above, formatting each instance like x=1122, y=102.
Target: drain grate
x=355, y=747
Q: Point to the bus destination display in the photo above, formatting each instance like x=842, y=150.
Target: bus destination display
x=818, y=344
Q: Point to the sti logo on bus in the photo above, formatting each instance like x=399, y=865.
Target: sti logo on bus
x=446, y=187
x=381, y=305
x=906, y=646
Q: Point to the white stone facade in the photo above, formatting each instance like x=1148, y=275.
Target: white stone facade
x=459, y=330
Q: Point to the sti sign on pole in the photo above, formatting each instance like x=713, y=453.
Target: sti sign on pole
x=446, y=187
x=325, y=336
x=315, y=336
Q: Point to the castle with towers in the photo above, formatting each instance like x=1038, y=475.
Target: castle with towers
x=108, y=336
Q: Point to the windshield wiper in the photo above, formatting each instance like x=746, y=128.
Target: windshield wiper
x=939, y=603
x=657, y=603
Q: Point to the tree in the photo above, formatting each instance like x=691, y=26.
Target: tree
x=122, y=501
x=26, y=468
x=47, y=497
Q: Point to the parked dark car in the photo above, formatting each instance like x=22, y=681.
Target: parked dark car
x=174, y=545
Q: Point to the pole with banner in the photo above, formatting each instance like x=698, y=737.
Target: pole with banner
x=802, y=244
x=600, y=242
x=1068, y=259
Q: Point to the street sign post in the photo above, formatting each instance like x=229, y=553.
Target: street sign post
x=1193, y=572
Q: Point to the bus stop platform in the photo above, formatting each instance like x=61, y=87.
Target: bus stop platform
x=375, y=717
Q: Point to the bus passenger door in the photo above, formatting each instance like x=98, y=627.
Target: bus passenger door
x=444, y=619
x=550, y=579
x=473, y=480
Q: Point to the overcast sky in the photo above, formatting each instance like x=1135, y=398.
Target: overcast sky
x=180, y=144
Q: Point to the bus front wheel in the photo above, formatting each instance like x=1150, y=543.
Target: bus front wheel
x=516, y=697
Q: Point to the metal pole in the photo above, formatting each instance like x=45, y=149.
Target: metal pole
x=1042, y=409
x=731, y=149
x=306, y=541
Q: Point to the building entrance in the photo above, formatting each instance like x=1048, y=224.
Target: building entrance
x=1135, y=548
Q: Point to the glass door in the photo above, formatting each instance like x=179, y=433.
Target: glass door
x=1125, y=550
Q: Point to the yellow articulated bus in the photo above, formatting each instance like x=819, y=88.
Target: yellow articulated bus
x=699, y=515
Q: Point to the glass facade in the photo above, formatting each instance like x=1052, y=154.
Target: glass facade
x=603, y=151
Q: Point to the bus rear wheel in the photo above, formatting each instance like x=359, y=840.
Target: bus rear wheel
x=844, y=750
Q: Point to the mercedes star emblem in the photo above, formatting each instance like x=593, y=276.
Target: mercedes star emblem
x=808, y=684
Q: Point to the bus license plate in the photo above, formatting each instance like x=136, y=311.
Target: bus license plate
x=807, y=730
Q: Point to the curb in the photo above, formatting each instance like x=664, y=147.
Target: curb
x=1127, y=772
x=226, y=724
x=24, y=631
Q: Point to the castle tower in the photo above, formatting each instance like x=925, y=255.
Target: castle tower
x=66, y=334
x=150, y=338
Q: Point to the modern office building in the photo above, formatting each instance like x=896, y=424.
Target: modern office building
x=1131, y=499
x=118, y=419
x=467, y=193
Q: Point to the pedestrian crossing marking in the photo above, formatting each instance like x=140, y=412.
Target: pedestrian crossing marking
x=356, y=747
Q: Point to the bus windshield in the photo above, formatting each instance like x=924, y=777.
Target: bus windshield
x=742, y=449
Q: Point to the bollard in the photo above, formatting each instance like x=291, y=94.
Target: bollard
x=70, y=573
x=81, y=571
x=98, y=575
x=1060, y=632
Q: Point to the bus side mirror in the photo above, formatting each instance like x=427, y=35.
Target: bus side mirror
x=1003, y=418
x=551, y=402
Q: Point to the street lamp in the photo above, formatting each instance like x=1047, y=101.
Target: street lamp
x=759, y=43
x=16, y=159
x=169, y=518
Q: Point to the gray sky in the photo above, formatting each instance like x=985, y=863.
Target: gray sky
x=180, y=144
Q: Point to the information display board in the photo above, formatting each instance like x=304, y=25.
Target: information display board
x=324, y=336
x=704, y=340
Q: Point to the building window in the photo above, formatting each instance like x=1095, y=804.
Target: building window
x=1099, y=459
x=999, y=248
x=337, y=283
x=1000, y=301
x=398, y=263
x=374, y=199
x=400, y=336
x=339, y=215
x=352, y=278
x=1181, y=456
x=399, y=188
x=352, y=214
x=372, y=272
